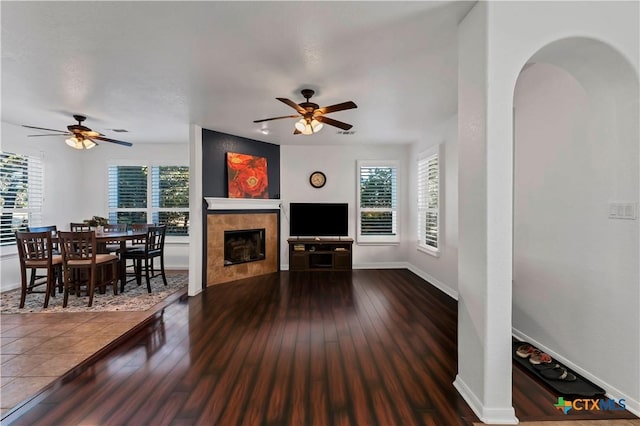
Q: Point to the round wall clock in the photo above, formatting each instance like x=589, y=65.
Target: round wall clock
x=317, y=179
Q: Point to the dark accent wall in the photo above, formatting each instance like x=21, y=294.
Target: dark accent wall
x=215, y=145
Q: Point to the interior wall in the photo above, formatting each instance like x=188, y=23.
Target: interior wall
x=576, y=283
x=339, y=165
x=441, y=271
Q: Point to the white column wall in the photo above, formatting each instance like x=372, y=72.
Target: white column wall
x=495, y=41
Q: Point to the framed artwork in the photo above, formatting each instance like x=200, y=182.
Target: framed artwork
x=247, y=176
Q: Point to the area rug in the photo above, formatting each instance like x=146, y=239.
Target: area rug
x=134, y=298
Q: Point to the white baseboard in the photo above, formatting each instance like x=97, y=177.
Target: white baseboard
x=632, y=405
x=381, y=265
x=448, y=290
x=497, y=416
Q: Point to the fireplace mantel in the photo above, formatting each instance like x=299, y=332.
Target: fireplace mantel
x=218, y=203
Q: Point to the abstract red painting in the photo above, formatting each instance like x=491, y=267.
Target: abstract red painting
x=247, y=176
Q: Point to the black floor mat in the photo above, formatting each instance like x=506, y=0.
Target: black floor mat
x=580, y=386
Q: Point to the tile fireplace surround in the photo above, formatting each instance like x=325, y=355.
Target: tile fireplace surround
x=229, y=214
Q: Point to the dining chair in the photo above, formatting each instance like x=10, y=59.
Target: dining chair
x=79, y=227
x=79, y=254
x=153, y=248
x=112, y=246
x=35, y=251
x=53, y=229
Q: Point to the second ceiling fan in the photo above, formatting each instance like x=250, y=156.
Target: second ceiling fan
x=312, y=115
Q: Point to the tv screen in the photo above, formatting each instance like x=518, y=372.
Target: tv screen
x=318, y=219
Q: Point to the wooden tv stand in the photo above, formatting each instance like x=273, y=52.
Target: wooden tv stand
x=323, y=254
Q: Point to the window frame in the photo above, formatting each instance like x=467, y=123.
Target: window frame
x=150, y=209
x=423, y=195
x=35, y=188
x=391, y=239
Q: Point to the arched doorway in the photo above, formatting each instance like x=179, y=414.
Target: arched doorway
x=576, y=169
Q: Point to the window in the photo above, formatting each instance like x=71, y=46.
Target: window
x=21, y=194
x=377, y=202
x=150, y=194
x=429, y=201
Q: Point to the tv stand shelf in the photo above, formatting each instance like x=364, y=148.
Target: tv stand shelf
x=324, y=254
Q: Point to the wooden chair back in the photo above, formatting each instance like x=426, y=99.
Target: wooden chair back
x=140, y=227
x=115, y=227
x=155, y=239
x=79, y=227
x=77, y=246
x=52, y=229
x=34, y=248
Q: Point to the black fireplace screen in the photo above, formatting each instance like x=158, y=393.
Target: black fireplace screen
x=246, y=245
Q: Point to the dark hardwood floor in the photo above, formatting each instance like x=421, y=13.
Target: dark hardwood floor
x=368, y=347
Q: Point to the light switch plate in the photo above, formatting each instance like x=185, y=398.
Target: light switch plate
x=623, y=210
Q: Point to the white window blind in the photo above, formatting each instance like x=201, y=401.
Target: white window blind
x=377, y=202
x=21, y=194
x=150, y=194
x=429, y=200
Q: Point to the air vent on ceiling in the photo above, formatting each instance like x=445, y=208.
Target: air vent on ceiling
x=346, y=132
x=120, y=130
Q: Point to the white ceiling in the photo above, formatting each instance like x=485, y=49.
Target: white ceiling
x=154, y=67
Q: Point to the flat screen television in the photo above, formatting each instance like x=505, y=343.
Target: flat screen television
x=318, y=219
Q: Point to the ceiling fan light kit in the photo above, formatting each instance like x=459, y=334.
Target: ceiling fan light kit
x=80, y=143
x=79, y=136
x=313, y=118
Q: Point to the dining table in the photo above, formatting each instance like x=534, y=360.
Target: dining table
x=102, y=238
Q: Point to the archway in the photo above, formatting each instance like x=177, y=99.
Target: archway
x=576, y=164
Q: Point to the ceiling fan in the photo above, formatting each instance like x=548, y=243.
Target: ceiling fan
x=80, y=137
x=312, y=115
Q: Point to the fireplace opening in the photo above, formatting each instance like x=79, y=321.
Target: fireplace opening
x=242, y=246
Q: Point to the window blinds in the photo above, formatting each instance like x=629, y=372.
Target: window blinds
x=21, y=194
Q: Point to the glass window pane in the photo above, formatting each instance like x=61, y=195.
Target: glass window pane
x=128, y=187
x=171, y=187
x=131, y=217
x=177, y=222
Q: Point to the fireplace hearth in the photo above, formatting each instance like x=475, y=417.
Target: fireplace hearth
x=245, y=245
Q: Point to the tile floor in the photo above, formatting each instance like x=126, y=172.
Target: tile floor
x=36, y=349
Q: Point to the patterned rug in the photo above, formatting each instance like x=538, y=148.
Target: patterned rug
x=134, y=298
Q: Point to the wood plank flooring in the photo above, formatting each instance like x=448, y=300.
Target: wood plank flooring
x=367, y=347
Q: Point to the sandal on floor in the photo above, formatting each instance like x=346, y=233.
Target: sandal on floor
x=545, y=366
x=540, y=358
x=557, y=373
x=524, y=351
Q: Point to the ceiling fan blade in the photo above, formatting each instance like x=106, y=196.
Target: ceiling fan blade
x=276, y=118
x=332, y=122
x=293, y=105
x=337, y=107
x=50, y=134
x=44, y=128
x=101, y=138
x=296, y=132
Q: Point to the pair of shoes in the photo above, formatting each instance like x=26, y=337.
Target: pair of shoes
x=538, y=358
x=557, y=372
x=525, y=351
